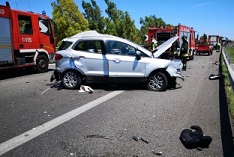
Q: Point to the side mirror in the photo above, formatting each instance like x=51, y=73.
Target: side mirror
x=138, y=55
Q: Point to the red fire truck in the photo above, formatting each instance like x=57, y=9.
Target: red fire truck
x=26, y=39
x=215, y=41
x=164, y=33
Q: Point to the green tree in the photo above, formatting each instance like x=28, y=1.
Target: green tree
x=94, y=17
x=112, y=20
x=151, y=21
x=120, y=24
x=68, y=19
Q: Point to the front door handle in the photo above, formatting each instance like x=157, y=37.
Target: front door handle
x=116, y=60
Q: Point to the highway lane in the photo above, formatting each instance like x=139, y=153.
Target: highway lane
x=107, y=129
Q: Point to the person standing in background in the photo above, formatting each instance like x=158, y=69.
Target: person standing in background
x=184, y=52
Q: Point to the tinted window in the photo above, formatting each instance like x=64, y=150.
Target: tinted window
x=92, y=46
x=64, y=45
x=25, y=24
x=120, y=48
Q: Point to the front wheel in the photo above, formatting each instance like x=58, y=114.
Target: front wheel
x=157, y=82
x=42, y=64
x=71, y=80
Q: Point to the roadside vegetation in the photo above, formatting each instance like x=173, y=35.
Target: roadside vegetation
x=227, y=83
x=70, y=20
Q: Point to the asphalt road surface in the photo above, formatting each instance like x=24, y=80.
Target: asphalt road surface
x=40, y=119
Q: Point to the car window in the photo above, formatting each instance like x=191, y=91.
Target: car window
x=92, y=46
x=120, y=48
x=64, y=45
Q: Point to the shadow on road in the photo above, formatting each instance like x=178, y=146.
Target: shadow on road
x=17, y=72
x=226, y=129
x=112, y=87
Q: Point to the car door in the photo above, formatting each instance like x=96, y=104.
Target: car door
x=123, y=62
x=91, y=58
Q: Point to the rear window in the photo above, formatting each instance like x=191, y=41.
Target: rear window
x=64, y=45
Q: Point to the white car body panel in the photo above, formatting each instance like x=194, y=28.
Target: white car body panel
x=116, y=66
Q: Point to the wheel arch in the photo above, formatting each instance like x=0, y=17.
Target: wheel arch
x=162, y=70
x=40, y=52
x=160, y=84
x=79, y=72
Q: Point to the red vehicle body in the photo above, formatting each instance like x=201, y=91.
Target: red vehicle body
x=26, y=39
x=204, y=47
x=164, y=33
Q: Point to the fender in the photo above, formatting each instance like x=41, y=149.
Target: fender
x=36, y=52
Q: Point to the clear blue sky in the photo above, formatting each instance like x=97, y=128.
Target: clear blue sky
x=205, y=16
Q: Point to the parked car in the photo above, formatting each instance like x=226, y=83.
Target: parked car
x=203, y=47
x=91, y=57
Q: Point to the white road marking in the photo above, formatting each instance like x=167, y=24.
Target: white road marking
x=45, y=90
x=29, y=135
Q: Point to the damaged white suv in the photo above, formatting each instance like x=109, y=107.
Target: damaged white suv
x=90, y=57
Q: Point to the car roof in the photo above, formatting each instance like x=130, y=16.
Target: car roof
x=95, y=35
x=92, y=35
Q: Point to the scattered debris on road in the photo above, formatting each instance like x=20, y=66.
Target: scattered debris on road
x=194, y=138
x=98, y=136
x=215, y=77
x=157, y=153
x=84, y=88
x=136, y=138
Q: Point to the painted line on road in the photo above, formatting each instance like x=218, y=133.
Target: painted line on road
x=29, y=135
x=45, y=90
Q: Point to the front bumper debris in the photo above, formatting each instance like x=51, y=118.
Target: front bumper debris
x=179, y=75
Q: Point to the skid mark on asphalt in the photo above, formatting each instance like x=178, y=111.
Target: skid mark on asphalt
x=35, y=132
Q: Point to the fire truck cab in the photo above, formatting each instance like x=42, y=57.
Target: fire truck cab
x=215, y=41
x=164, y=33
x=26, y=39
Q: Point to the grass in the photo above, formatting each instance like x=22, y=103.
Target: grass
x=230, y=51
x=227, y=83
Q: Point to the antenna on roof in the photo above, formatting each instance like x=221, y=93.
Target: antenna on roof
x=29, y=7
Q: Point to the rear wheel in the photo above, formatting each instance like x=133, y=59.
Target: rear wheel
x=42, y=64
x=157, y=82
x=192, y=56
x=71, y=80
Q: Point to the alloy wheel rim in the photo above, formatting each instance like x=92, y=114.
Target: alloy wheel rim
x=156, y=82
x=70, y=79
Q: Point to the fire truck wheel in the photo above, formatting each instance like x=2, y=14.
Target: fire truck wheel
x=42, y=64
x=157, y=81
x=71, y=80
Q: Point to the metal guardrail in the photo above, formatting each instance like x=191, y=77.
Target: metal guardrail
x=230, y=67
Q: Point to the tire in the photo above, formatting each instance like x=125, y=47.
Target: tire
x=192, y=57
x=172, y=82
x=157, y=82
x=42, y=64
x=71, y=80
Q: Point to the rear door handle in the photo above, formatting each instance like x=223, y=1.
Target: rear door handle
x=80, y=57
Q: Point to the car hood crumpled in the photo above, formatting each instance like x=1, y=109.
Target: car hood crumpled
x=163, y=47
